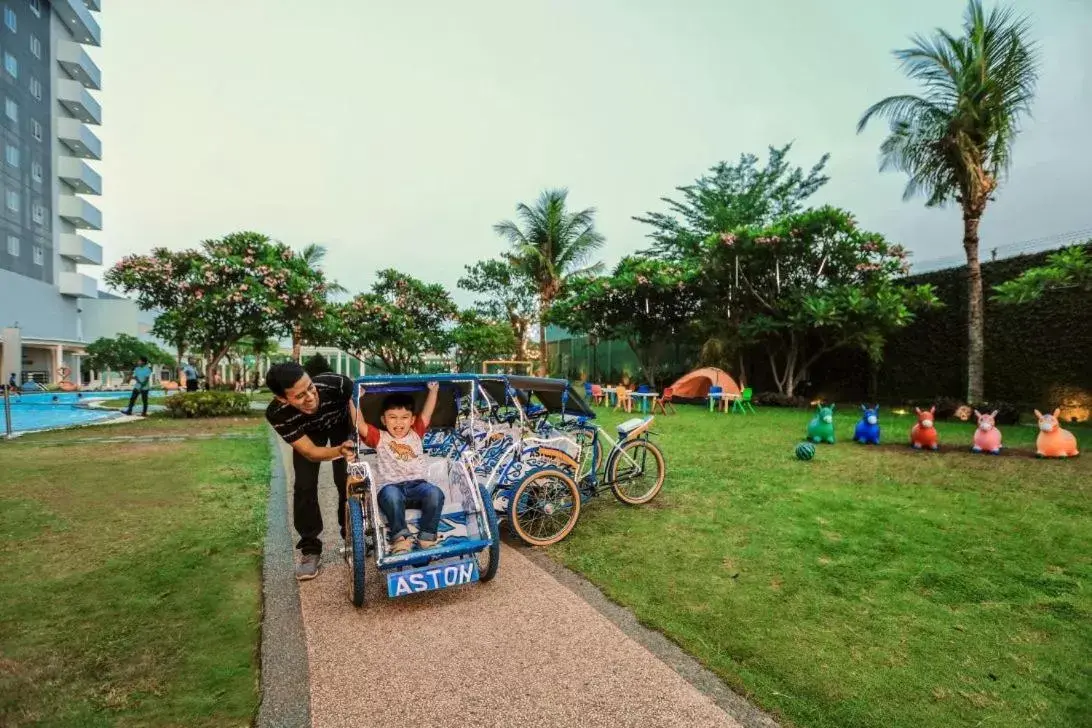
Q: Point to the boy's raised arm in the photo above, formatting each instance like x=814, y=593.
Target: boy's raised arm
x=430, y=403
x=358, y=421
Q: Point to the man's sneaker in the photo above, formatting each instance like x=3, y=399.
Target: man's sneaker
x=401, y=545
x=309, y=566
x=426, y=543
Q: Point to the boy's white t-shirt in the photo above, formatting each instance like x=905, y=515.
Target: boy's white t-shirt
x=398, y=459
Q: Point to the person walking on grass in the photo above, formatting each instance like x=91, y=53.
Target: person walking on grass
x=311, y=415
x=189, y=372
x=142, y=382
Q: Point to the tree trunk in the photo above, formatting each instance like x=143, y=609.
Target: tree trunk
x=297, y=337
x=976, y=319
x=543, y=364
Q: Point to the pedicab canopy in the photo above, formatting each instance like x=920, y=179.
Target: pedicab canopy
x=696, y=384
x=556, y=395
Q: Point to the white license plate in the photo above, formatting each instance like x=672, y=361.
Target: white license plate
x=429, y=578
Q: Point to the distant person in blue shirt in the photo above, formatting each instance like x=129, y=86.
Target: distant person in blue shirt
x=142, y=382
x=190, y=372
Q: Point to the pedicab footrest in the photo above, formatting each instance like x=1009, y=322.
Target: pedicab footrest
x=445, y=550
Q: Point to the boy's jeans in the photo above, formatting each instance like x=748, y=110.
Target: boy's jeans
x=394, y=498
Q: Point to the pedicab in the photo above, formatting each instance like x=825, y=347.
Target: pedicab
x=515, y=465
x=633, y=468
x=468, y=547
x=541, y=457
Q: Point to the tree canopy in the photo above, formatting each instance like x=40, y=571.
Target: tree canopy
x=241, y=285
x=399, y=321
x=731, y=196
x=810, y=283
x=503, y=294
x=121, y=353
x=645, y=302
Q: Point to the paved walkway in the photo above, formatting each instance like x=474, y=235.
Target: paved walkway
x=521, y=651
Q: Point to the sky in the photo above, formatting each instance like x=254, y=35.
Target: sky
x=397, y=133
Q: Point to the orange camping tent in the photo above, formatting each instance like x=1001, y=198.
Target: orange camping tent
x=696, y=384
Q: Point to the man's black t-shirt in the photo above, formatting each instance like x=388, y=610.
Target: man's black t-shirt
x=331, y=418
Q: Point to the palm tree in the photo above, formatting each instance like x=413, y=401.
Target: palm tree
x=313, y=255
x=552, y=246
x=955, y=140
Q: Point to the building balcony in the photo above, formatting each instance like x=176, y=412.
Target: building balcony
x=78, y=102
x=77, y=137
x=78, y=65
x=78, y=175
x=77, y=285
x=76, y=15
x=80, y=213
x=79, y=249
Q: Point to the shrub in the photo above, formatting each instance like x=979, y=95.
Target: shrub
x=776, y=399
x=207, y=404
x=946, y=407
x=316, y=364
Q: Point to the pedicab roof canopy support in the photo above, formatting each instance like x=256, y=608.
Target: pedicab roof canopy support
x=557, y=395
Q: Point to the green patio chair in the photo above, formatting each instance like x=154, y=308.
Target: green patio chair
x=742, y=403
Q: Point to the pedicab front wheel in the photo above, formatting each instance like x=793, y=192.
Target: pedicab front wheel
x=354, y=549
x=489, y=557
x=636, y=472
x=544, y=508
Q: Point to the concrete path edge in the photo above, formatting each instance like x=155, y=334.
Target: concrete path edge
x=284, y=684
x=703, y=679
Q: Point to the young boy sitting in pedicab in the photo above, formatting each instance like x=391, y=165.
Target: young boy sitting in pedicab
x=401, y=468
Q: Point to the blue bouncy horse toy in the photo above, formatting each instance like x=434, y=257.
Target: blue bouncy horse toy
x=867, y=431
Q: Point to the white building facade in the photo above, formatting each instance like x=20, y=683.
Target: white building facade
x=47, y=213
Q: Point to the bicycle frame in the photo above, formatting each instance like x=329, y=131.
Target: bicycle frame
x=587, y=476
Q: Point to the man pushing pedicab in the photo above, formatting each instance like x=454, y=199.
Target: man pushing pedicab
x=311, y=415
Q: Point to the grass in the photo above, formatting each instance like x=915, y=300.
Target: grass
x=868, y=587
x=131, y=593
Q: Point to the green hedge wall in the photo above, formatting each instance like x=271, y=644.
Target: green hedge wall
x=1037, y=354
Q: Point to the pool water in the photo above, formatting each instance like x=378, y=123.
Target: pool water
x=50, y=410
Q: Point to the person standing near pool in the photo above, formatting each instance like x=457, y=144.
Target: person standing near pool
x=189, y=371
x=311, y=415
x=142, y=382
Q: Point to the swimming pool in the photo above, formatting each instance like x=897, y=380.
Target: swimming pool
x=50, y=410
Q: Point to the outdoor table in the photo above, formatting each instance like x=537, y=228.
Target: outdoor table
x=609, y=396
x=646, y=397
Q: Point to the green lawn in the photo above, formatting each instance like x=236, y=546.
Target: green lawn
x=131, y=593
x=868, y=587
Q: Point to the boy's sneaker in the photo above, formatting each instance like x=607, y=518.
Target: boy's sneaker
x=402, y=545
x=426, y=543
x=309, y=566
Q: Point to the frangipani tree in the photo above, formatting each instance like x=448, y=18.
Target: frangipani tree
x=398, y=322
x=645, y=302
x=241, y=285
x=809, y=284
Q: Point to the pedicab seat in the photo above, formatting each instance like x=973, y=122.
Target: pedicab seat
x=633, y=428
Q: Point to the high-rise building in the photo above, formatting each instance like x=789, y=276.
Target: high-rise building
x=47, y=210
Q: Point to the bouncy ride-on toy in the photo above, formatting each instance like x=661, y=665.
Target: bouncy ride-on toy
x=468, y=548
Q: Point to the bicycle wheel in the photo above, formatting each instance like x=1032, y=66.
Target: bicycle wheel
x=636, y=472
x=544, y=508
x=354, y=549
x=489, y=557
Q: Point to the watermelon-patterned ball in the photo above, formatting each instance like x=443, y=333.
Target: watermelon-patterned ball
x=805, y=451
